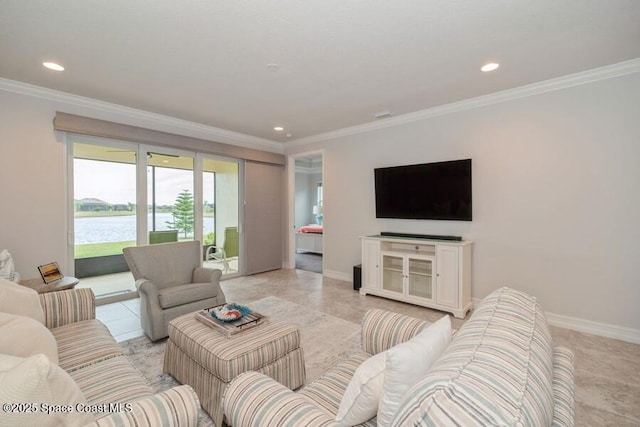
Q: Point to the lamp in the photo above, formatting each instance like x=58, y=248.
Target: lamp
x=318, y=212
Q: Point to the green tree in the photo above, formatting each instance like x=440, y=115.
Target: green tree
x=182, y=213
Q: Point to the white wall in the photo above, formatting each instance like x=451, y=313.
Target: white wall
x=32, y=184
x=556, y=195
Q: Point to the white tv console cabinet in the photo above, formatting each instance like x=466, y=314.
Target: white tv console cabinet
x=430, y=273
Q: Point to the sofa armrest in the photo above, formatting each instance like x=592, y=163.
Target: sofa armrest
x=70, y=306
x=176, y=407
x=383, y=329
x=563, y=387
x=253, y=400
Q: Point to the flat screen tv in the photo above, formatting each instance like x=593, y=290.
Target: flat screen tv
x=440, y=191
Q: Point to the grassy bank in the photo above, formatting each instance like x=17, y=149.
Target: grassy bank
x=101, y=249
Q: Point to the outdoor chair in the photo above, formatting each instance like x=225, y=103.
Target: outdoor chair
x=171, y=282
x=228, y=250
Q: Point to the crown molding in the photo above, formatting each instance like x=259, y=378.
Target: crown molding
x=584, y=77
x=203, y=131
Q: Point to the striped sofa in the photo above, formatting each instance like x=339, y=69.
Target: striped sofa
x=500, y=369
x=95, y=361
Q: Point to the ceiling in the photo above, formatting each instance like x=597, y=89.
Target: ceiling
x=337, y=62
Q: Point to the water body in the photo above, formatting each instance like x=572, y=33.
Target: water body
x=100, y=229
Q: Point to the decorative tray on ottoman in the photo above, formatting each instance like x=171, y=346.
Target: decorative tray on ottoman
x=228, y=328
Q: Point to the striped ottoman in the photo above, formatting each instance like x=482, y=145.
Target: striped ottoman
x=206, y=360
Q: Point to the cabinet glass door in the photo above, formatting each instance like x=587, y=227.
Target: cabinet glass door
x=420, y=278
x=392, y=273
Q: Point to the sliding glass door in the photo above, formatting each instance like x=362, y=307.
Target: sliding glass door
x=126, y=194
x=104, y=213
x=170, y=197
x=220, y=207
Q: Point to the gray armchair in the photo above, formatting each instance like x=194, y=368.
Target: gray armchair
x=171, y=282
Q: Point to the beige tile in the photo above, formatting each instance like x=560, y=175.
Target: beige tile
x=109, y=312
x=124, y=325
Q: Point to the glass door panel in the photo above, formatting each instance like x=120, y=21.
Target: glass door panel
x=104, y=215
x=420, y=278
x=392, y=273
x=220, y=182
x=170, y=197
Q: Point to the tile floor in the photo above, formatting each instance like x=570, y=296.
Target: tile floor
x=122, y=319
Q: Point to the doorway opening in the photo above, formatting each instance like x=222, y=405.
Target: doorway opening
x=309, y=213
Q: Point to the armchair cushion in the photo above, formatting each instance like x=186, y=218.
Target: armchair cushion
x=18, y=299
x=183, y=294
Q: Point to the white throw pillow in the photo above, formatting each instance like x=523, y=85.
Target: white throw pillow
x=360, y=400
x=38, y=385
x=18, y=299
x=7, y=267
x=23, y=336
x=407, y=363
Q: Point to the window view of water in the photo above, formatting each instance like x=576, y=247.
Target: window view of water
x=101, y=229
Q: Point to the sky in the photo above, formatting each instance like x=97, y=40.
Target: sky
x=115, y=183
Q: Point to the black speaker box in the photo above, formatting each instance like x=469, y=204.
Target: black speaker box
x=357, y=277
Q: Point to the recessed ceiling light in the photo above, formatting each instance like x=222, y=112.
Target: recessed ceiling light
x=53, y=66
x=489, y=67
x=278, y=128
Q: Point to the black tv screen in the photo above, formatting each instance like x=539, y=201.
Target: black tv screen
x=439, y=191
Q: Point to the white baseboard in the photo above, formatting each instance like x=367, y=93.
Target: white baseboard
x=606, y=330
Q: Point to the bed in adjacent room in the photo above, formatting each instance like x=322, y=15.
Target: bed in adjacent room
x=309, y=238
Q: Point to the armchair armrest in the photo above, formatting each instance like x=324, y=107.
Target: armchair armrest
x=253, y=400
x=70, y=306
x=383, y=329
x=563, y=387
x=146, y=286
x=176, y=407
x=204, y=275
